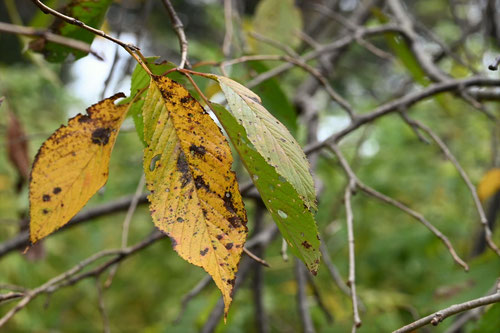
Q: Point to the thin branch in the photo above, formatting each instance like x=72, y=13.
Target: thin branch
x=370, y=191
x=303, y=304
x=179, y=30
x=200, y=286
x=465, y=177
x=70, y=277
x=351, y=282
x=319, y=298
x=228, y=20
x=49, y=36
x=126, y=225
x=102, y=308
x=47, y=10
x=438, y=317
x=256, y=258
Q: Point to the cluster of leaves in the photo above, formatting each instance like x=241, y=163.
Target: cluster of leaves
x=187, y=163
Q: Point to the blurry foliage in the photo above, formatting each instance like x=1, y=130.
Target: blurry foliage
x=401, y=266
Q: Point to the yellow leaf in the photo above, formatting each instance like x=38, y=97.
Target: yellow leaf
x=489, y=184
x=194, y=194
x=72, y=165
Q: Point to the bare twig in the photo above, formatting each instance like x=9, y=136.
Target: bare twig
x=472, y=189
x=179, y=30
x=370, y=191
x=256, y=258
x=494, y=65
x=102, y=309
x=319, y=298
x=70, y=277
x=228, y=20
x=200, y=286
x=49, y=36
x=303, y=304
x=47, y=10
x=126, y=224
x=439, y=316
x=351, y=282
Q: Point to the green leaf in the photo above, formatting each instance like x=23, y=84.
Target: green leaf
x=294, y=220
x=271, y=138
x=140, y=81
x=90, y=12
x=274, y=99
x=278, y=20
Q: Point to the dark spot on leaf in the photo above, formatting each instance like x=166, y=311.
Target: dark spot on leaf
x=199, y=182
x=183, y=167
x=204, y=252
x=314, y=272
x=204, y=211
x=235, y=221
x=56, y=190
x=46, y=197
x=101, y=136
x=197, y=150
x=220, y=236
x=45, y=211
x=84, y=119
x=306, y=244
x=229, y=246
x=180, y=219
x=185, y=99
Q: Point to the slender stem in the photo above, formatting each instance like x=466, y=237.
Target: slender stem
x=179, y=30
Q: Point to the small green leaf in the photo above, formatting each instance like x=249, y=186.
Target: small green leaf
x=90, y=12
x=293, y=218
x=271, y=138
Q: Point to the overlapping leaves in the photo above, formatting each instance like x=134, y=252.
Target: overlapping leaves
x=187, y=162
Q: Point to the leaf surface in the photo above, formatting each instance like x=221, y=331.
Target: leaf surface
x=90, y=12
x=194, y=194
x=72, y=165
x=270, y=138
x=293, y=218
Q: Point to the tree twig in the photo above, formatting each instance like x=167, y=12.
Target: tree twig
x=49, y=36
x=179, y=30
x=438, y=317
x=303, y=304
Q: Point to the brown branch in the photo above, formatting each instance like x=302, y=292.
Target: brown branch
x=47, y=10
x=439, y=316
x=370, y=191
x=228, y=21
x=465, y=177
x=70, y=277
x=49, y=36
x=351, y=282
x=179, y=30
x=303, y=304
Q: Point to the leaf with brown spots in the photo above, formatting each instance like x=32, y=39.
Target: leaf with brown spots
x=293, y=218
x=194, y=194
x=72, y=165
x=270, y=137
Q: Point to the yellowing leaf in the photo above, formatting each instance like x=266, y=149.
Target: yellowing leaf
x=194, y=194
x=72, y=165
x=489, y=184
x=271, y=138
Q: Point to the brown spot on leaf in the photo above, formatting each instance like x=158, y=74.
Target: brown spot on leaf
x=197, y=150
x=204, y=252
x=46, y=197
x=199, y=182
x=56, y=190
x=185, y=99
x=101, y=136
x=306, y=244
x=44, y=211
x=183, y=167
x=229, y=246
x=84, y=119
